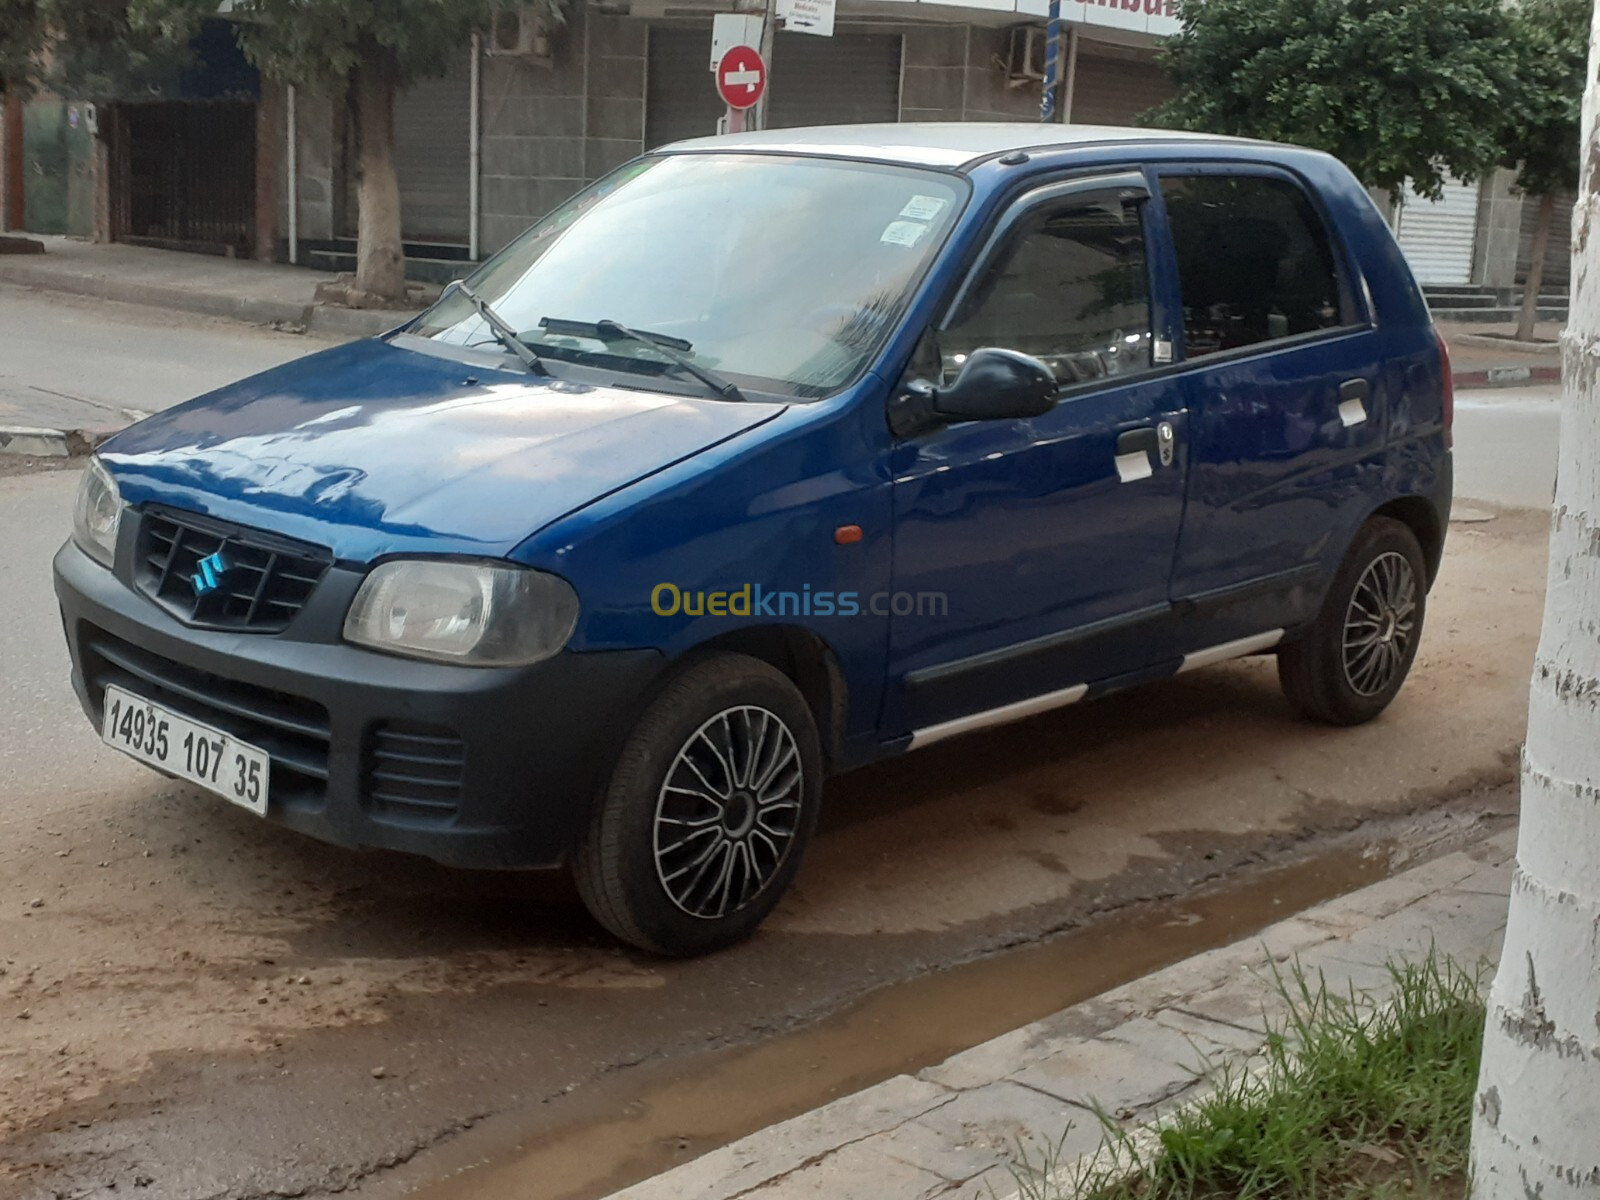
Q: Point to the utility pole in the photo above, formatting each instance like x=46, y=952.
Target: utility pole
x=1052, y=65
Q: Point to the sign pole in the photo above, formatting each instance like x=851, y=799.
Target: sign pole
x=1052, y=64
x=769, y=28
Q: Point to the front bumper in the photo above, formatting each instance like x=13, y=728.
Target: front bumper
x=471, y=767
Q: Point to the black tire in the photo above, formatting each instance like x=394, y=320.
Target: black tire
x=1350, y=664
x=642, y=867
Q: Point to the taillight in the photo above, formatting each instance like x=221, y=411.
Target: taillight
x=1447, y=390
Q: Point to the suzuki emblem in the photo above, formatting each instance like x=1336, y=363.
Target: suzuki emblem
x=208, y=574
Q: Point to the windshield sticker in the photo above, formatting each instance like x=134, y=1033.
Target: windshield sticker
x=903, y=233
x=923, y=208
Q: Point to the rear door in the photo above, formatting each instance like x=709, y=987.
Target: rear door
x=1286, y=418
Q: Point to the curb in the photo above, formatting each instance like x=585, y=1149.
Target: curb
x=312, y=318
x=1508, y=345
x=1494, y=377
x=1135, y=1053
x=37, y=442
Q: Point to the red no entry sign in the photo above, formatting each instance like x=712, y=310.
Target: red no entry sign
x=741, y=77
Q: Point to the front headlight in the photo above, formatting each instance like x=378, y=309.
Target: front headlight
x=475, y=614
x=97, y=514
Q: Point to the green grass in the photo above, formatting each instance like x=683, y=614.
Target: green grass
x=1356, y=1100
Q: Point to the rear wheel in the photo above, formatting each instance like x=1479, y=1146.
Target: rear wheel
x=703, y=823
x=1350, y=664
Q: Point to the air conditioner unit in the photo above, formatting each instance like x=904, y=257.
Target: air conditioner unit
x=1025, y=58
x=519, y=33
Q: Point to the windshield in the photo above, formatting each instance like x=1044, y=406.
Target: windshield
x=781, y=274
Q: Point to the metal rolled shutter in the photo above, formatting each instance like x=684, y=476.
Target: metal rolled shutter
x=840, y=80
x=1436, y=236
x=1558, y=253
x=432, y=127
x=846, y=79
x=680, y=95
x=1114, y=91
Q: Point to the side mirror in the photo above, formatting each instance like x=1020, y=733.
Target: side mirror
x=993, y=385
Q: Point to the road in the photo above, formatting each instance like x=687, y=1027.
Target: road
x=197, y=1004
x=71, y=363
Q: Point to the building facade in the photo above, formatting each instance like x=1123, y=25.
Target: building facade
x=503, y=138
x=230, y=163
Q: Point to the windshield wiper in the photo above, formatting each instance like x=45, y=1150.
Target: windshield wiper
x=674, y=348
x=506, y=335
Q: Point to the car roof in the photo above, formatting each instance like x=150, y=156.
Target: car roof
x=949, y=144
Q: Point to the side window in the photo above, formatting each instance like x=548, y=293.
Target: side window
x=1068, y=286
x=1254, y=261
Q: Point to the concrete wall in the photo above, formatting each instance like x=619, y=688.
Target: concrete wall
x=950, y=75
x=549, y=130
x=1494, y=251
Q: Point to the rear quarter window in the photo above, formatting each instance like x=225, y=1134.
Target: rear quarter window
x=1255, y=262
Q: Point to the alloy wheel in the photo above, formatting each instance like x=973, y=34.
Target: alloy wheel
x=728, y=811
x=1380, y=624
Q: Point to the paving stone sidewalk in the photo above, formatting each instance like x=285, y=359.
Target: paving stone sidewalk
x=950, y=1130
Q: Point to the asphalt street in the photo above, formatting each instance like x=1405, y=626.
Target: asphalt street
x=206, y=1003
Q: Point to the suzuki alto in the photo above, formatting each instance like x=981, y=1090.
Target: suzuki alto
x=762, y=458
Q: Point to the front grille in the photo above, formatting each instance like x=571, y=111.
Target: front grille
x=414, y=772
x=293, y=730
x=216, y=575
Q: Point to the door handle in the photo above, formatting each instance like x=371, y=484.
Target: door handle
x=1132, y=441
x=1134, y=448
x=1353, y=395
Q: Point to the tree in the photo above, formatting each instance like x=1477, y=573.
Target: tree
x=1399, y=90
x=1538, y=1111
x=1541, y=135
x=370, y=51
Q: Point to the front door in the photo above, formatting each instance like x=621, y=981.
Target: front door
x=1033, y=556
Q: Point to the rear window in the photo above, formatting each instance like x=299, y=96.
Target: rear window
x=1254, y=261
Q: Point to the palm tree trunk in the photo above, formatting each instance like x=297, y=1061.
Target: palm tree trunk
x=1535, y=280
x=1536, y=1125
x=380, y=258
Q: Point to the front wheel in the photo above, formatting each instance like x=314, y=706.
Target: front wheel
x=1350, y=664
x=707, y=813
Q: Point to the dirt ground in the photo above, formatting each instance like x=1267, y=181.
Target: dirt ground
x=196, y=1004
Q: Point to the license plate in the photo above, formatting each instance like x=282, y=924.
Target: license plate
x=216, y=761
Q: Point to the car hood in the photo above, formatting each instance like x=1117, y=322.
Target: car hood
x=372, y=449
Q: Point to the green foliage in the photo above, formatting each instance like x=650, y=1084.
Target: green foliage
x=88, y=49
x=1398, y=89
x=1355, y=1100
x=21, y=35
x=101, y=53
x=1542, y=128
x=317, y=42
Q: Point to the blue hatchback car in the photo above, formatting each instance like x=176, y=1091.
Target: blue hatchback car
x=764, y=457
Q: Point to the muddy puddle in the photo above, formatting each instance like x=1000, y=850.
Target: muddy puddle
x=640, y=1122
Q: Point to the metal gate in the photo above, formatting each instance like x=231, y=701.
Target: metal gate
x=1113, y=91
x=843, y=80
x=184, y=174
x=1558, y=252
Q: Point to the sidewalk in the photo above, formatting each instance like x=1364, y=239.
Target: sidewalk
x=949, y=1130
x=1479, y=360
x=255, y=292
